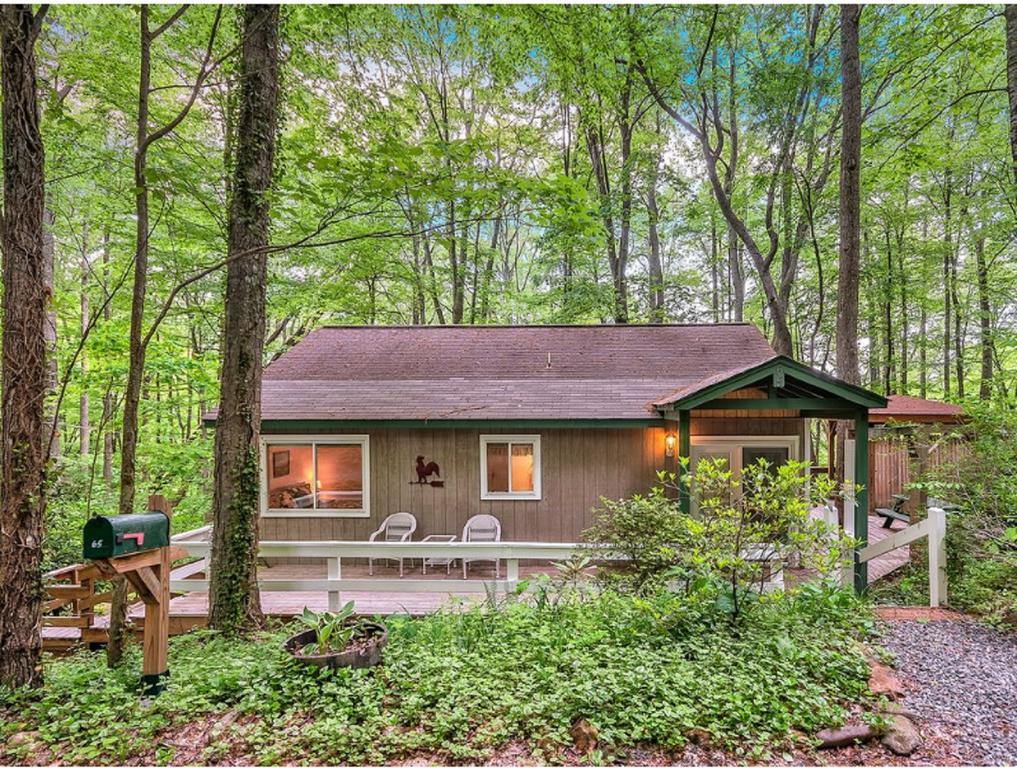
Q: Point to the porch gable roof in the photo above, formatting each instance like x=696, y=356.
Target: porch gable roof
x=789, y=383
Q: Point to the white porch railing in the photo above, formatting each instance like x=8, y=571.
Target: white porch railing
x=333, y=552
x=934, y=527
x=196, y=543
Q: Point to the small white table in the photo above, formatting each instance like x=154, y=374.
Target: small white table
x=446, y=561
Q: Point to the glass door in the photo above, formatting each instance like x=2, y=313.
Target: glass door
x=774, y=455
x=728, y=454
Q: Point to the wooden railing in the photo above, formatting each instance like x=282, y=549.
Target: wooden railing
x=70, y=604
x=933, y=527
x=72, y=595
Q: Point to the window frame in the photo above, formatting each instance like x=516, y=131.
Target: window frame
x=314, y=441
x=510, y=495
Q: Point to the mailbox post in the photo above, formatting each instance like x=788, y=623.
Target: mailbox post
x=137, y=548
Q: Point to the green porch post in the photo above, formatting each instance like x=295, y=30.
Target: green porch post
x=861, y=496
x=684, y=451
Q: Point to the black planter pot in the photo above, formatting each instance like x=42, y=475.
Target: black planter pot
x=367, y=656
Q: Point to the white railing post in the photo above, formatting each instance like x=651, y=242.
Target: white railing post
x=832, y=519
x=937, y=557
x=511, y=574
x=335, y=570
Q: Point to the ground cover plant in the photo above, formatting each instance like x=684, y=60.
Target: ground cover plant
x=458, y=685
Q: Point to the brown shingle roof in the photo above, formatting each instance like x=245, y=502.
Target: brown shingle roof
x=906, y=408
x=499, y=372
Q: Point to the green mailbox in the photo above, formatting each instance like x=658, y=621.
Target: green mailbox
x=115, y=535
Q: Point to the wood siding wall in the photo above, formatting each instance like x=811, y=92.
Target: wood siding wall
x=578, y=467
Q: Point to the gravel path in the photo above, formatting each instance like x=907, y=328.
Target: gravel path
x=961, y=678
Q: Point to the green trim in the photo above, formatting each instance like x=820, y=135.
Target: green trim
x=684, y=451
x=779, y=404
x=861, y=497
x=854, y=395
x=310, y=425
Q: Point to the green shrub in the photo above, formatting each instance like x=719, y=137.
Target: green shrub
x=740, y=529
x=982, y=530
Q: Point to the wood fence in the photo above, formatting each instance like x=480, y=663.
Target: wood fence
x=892, y=467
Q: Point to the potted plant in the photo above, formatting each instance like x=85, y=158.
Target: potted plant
x=337, y=640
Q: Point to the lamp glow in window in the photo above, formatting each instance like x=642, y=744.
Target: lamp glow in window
x=317, y=477
x=510, y=466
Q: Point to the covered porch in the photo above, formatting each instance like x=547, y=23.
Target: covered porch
x=778, y=391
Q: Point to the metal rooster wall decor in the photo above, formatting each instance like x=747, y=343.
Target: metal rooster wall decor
x=426, y=470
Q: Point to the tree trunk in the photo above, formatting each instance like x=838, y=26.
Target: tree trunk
x=25, y=373
x=234, y=598
x=958, y=322
x=714, y=270
x=84, y=426
x=905, y=330
x=1011, y=76
x=947, y=258
x=136, y=347
x=850, y=216
x=888, y=362
x=107, y=398
x=734, y=259
x=598, y=160
x=782, y=344
x=984, y=319
x=136, y=365
x=657, y=313
x=51, y=418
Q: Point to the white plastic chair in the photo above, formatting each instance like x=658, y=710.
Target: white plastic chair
x=396, y=527
x=482, y=528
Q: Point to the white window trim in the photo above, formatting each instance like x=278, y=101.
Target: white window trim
x=314, y=440
x=487, y=495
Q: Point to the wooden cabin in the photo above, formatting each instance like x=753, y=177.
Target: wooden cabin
x=531, y=424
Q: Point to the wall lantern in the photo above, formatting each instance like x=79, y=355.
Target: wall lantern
x=669, y=443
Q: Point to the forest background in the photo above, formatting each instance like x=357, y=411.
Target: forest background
x=539, y=164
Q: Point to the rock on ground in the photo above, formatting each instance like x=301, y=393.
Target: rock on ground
x=960, y=677
x=903, y=736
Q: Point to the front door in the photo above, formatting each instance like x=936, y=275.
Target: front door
x=741, y=452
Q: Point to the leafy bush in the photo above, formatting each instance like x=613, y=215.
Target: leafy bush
x=740, y=530
x=461, y=684
x=982, y=531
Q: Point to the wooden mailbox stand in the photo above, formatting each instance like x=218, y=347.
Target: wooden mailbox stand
x=149, y=574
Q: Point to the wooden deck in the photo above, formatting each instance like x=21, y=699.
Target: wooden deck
x=289, y=604
x=884, y=565
x=190, y=610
